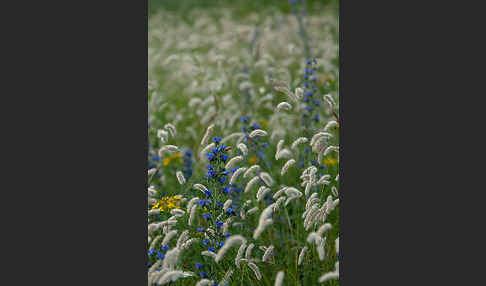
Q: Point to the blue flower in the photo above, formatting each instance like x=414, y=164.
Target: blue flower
x=229, y=210
x=151, y=251
x=217, y=139
x=243, y=129
x=165, y=247
x=210, y=174
x=228, y=235
x=208, y=193
x=219, y=204
x=206, y=216
x=308, y=93
x=160, y=255
x=211, y=249
x=255, y=126
x=199, y=265
x=244, y=119
x=222, y=179
x=224, y=157
x=215, y=284
x=221, y=243
x=210, y=156
x=205, y=241
x=219, y=223
x=226, y=190
x=264, y=144
x=203, y=274
x=200, y=229
x=306, y=85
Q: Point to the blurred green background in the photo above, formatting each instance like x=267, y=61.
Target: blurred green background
x=241, y=7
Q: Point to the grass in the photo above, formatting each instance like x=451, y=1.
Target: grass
x=213, y=63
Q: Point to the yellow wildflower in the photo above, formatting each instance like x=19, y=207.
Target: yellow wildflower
x=252, y=160
x=330, y=161
x=176, y=156
x=168, y=203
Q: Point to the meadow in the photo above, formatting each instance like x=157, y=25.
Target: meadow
x=243, y=155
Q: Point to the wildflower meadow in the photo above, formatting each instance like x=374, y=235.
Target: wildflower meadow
x=243, y=155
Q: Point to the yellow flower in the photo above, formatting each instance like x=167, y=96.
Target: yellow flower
x=168, y=203
x=264, y=124
x=330, y=161
x=176, y=156
x=252, y=160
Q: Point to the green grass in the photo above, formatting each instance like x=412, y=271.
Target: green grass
x=169, y=98
x=241, y=7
